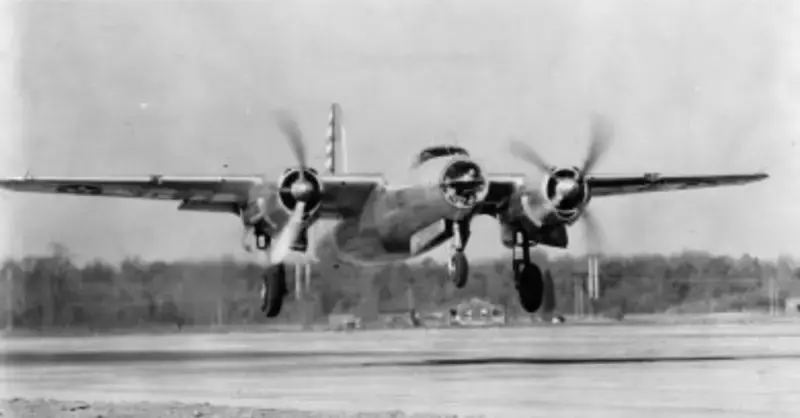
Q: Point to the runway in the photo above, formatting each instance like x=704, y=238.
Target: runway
x=559, y=371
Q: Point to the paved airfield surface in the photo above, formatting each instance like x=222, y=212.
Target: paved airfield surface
x=558, y=371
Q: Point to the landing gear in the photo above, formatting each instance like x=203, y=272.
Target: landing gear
x=258, y=233
x=527, y=276
x=263, y=240
x=301, y=244
x=458, y=267
x=273, y=290
x=273, y=287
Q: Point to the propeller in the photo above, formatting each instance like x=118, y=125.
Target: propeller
x=302, y=191
x=593, y=233
x=281, y=247
x=567, y=188
x=291, y=129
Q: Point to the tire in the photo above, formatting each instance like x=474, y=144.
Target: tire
x=549, y=292
x=458, y=269
x=530, y=286
x=273, y=290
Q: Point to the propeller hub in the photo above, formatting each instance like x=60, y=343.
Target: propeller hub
x=302, y=190
x=566, y=187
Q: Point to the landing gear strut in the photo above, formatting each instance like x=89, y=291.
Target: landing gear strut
x=458, y=267
x=257, y=233
x=301, y=244
x=527, y=275
x=263, y=240
x=274, y=287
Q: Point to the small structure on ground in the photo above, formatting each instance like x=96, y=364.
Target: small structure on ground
x=793, y=306
x=402, y=318
x=342, y=322
x=477, y=312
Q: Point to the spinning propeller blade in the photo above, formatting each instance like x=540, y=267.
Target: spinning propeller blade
x=593, y=233
x=600, y=140
x=291, y=129
x=281, y=247
x=524, y=152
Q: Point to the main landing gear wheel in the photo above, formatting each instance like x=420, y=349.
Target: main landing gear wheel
x=527, y=276
x=458, y=269
x=273, y=290
x=530, y=286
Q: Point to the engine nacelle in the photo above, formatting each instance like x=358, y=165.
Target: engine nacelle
x=463, y=183
x=291, y=178
x=561, y=199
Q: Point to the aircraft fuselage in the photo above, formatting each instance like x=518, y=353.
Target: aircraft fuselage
x=398, y=224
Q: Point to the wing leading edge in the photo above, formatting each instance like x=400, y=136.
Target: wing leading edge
x=614, y=185
x=214, y=194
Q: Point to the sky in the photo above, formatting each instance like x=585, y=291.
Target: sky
x=96, y=88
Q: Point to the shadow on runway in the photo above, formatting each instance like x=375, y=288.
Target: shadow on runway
x=100, y=357
x=22, y=358
x=561, y=361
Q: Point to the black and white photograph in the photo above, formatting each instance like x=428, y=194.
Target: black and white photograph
x=399, y=208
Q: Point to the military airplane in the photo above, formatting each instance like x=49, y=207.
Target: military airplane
x=375, y=222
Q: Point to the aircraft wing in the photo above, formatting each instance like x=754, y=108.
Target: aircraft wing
x=218, y=194
x=503, y=187
x=612, y=185
x=342, y=195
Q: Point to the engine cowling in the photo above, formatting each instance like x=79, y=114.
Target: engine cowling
x=561, y=199
x=573, y=196
x=463, y=183
x=289, y=185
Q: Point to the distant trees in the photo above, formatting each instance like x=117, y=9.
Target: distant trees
x=52, y=291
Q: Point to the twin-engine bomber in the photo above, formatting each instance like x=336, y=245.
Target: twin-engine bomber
x=378, y=223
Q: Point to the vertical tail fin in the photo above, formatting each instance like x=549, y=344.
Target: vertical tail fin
x=335, y=141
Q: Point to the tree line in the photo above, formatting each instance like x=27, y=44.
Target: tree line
x=51, y=290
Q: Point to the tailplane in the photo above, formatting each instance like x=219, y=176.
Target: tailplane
x=335, y=151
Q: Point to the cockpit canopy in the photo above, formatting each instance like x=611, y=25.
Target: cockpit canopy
x=439, y=151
